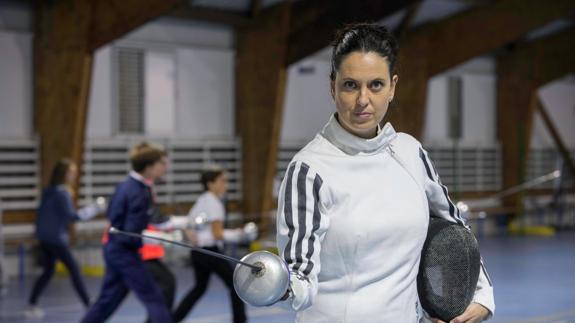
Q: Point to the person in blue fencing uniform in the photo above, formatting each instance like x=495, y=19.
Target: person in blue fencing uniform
x=55, y=213
x=130, y=209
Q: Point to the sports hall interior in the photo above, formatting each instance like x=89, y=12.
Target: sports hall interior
x=487, y=86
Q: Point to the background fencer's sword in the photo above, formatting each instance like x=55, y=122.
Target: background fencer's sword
x=526, y=185
x=255, y=268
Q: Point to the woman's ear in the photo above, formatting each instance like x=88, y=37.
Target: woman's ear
x=394, y=80
x=332, y=89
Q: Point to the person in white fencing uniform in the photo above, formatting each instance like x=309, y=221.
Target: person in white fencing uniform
x=355, y=202
x=207, y=217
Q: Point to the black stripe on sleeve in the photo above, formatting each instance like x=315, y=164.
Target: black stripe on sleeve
x=424, y=159
x=453, y=211
x=301, y=214
x=288, y=213
x=452, y=208
x=316, y=222
x=485, y=272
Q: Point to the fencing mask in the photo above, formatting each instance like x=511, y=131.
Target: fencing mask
x=449, y=269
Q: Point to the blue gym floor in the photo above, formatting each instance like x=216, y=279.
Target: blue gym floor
x=534, y=280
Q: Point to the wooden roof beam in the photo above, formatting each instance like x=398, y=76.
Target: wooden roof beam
x=407, y=20
x=480, y=30
x=435, y=47
x=214, y=15
x=115, y=18
x=320, y=19
x=520, y=74
x=255, y=8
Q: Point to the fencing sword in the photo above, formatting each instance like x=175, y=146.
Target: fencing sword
x=465, y=206
x=113, y=230
x=265, y=283
x=526, y=185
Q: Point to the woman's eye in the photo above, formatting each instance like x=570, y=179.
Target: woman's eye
x=349, y=85
x=376, y=85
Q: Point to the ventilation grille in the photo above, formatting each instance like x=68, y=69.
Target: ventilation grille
x=130, y=90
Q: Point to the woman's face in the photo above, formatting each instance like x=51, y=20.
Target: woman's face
x=362, y=91
x=219, y=186
x=71, y=174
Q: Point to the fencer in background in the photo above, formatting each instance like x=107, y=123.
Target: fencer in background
x=131, y=207
x=207, y=217
x=55, y=213
x=153, y=251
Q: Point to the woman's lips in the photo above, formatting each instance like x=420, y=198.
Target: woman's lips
x=363, y=114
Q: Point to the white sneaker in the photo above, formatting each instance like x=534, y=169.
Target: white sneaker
x=34, y=312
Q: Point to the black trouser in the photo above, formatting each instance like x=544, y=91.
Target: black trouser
x=51, y=253
x=203, y=266
x=164, y=279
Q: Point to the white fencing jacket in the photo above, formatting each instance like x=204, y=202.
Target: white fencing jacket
x=352, y=219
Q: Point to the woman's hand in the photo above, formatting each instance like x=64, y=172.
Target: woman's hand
x=473, y=314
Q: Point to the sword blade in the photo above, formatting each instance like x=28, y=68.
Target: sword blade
x=113, y=230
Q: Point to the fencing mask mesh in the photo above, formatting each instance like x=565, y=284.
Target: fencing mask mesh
x=449, y=269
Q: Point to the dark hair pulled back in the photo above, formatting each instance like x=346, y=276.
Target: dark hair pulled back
x=363, y=37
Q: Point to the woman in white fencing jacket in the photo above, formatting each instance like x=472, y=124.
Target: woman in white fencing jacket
x=355, y=202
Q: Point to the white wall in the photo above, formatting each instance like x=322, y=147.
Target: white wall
x=189, y=90
x=308, y=103
x=205, y=105
x=100, y=106
x=188, y=81
x=15, y=85
x=16, y=118
x=180, y=32
x=478, y=104
x=436, y=116
x=479, y=109
x=160, y=93
x=558, y=98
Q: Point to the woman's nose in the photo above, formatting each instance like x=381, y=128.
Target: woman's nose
x=363, y=98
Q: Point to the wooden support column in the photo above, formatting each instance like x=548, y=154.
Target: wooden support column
x=260, y=86
x=66, y=35
x=519, y=75
x=115, y=18
x=62, y=73
x=516, y=97
x=438, y=46
x=407, y=110
x=563, y=150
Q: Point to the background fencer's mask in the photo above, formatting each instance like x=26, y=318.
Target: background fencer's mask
x=449, y=269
